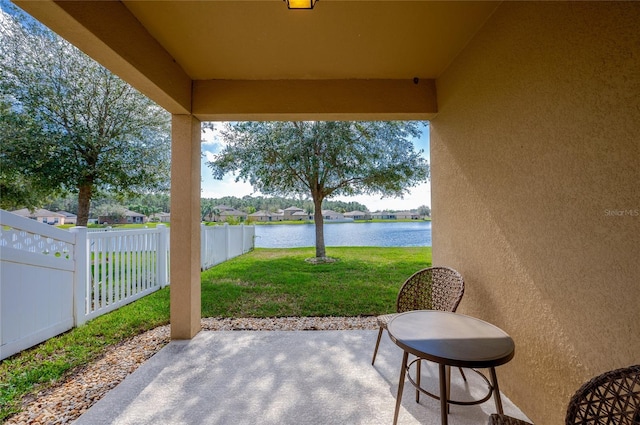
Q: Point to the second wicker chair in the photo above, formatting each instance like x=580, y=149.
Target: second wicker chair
x=433, y=288
x=610, y=398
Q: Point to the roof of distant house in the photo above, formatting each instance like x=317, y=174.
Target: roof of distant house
x=232, y=211
x=67, y=214
x=262, y=213
x=355, y=213
x=38, y=212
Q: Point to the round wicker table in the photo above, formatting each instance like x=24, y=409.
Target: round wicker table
x=449, y=339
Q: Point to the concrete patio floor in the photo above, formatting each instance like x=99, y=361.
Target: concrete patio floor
x=281, y=377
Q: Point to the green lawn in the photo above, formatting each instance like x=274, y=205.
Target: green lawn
x=262, y=283
x=278, y=282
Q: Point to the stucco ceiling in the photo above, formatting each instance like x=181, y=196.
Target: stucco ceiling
x=237, y=59
x=337, y=40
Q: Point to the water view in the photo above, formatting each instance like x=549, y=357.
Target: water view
x=416, y=233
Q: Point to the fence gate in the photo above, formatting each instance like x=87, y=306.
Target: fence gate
x=37, y=263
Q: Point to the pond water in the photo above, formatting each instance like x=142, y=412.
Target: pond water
x=415, y=233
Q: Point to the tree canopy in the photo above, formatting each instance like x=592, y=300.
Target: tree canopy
x=69, y=124
x=323, y=159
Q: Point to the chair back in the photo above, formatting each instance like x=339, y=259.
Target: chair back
x=610, y=398
x=433, y=288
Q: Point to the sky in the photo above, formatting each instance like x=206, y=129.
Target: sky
x=212, y=188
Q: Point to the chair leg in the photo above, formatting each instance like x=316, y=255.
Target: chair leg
x=375, y=352
x=418, y=375
x=448, y=373
x=462, y=373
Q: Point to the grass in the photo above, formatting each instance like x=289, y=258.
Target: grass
x=278, y=282
x=263, y=283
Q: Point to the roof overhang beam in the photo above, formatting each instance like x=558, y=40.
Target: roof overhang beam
x=284, y=100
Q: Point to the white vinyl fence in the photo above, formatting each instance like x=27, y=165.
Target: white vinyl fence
x=38, y=281
x=52, y=280
x=220, y=243
x=124, y=265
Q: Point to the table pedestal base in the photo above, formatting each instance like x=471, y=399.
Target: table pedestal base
x=444, y=397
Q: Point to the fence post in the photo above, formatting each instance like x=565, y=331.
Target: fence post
x=242, y=236
x=227, y=253
x=163, y=247
x=203, y=247
x=80, y=275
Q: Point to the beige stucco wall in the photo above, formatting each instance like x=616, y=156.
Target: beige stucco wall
x=536, y=191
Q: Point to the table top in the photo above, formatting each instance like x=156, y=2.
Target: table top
x=452, y=339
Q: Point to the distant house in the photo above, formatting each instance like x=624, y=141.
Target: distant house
x=295, y=213
x=357, y=215
x=407, y=215
x=130, y=217
x=301, y=215
x=224, y=213
x=383, y=215
x=332, y=215
x=162, y=217
x=265, y=216
x=41, y=215
x=232, y=213
x=69, y=218
x=213, y=214
x=288, y=213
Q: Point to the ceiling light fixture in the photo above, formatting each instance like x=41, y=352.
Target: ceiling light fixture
x=300, y=4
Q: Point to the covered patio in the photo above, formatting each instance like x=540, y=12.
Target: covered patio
x=535, y=127
x=280, y=378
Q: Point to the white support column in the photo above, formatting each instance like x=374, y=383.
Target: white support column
x=185, y=227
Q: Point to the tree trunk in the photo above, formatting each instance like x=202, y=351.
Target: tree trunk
x=84, y=202
x=319, y=221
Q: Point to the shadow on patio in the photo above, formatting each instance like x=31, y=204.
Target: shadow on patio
x=280, y=377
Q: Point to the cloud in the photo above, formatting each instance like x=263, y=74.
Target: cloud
x=211, y=143
x=226, y=187
x=209, y=155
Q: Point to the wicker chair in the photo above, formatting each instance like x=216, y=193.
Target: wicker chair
x=612, y=398
x=433, y=288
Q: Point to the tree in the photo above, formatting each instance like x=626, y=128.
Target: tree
x=18, y=189
x=206, y=208
x=83, y=129
x=146, y=210
x=322, y=159
x=113, y=211
x=424, y=210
